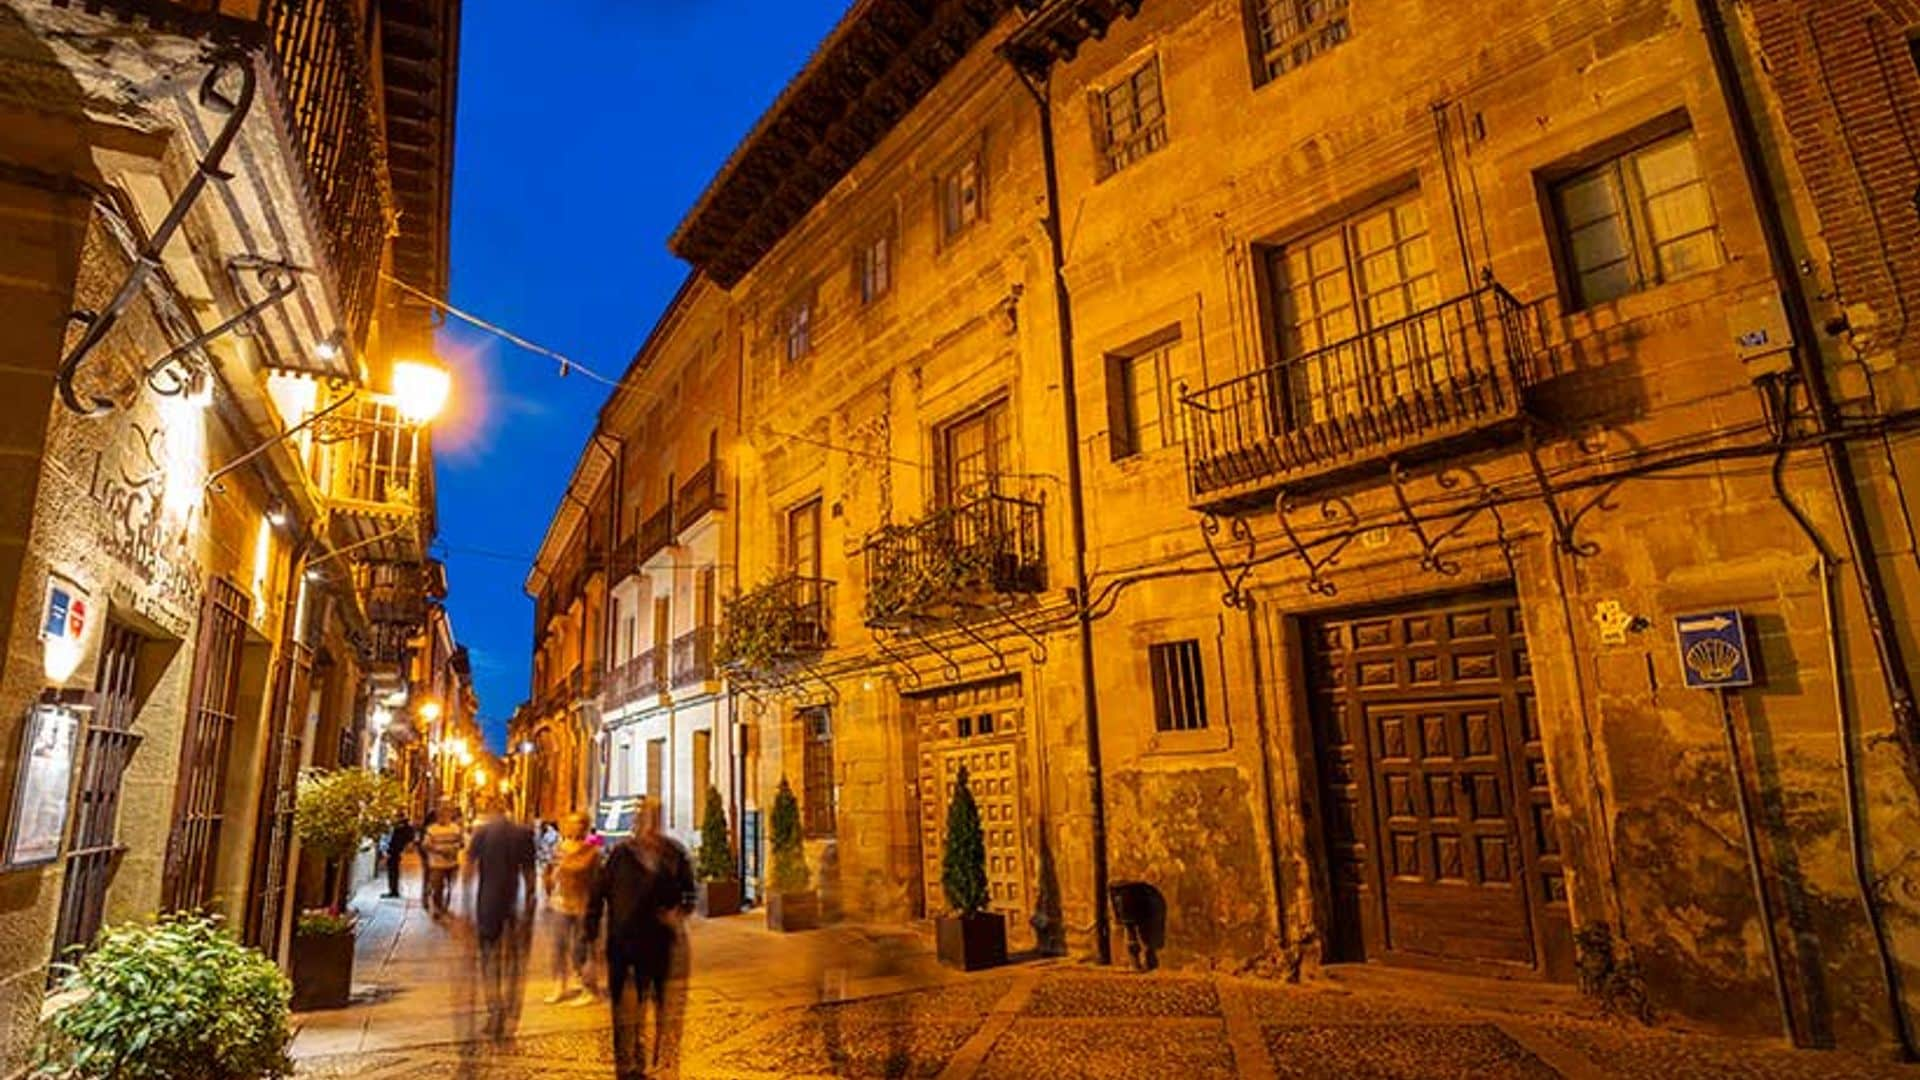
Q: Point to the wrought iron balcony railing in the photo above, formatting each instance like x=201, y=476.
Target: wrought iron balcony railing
x=699, y=494
x=948, y=561
x=655, y=535
x=1398, y=390
x=693, y=658
x=638, y=680
x=374, y=458
x=785, y=620
x=393, y=592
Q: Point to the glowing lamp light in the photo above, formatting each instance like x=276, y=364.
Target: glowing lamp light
x=60, y=657
x=430, y=711
x=526, y=746
x=329, y=348
x=420, y=389
x=480, y=777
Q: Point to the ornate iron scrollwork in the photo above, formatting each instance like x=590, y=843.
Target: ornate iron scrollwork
x=896, y=661
x=1235, y=577
x=1566, y=525
x=1336, y=513
x=1452, y=478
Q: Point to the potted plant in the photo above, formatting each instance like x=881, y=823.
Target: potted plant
x=790, y=904
x=719, y=885
x=335, y=811
x=972, y=937
x=180, y=997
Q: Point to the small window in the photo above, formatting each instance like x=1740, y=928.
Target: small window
x=1638, y=220
x=796, y=327
x=1288, y=33
x=1132, y=118
x=962, y=197
x=873, y=267
x=1179, y=688
x=817, y=795
x=1142, y=413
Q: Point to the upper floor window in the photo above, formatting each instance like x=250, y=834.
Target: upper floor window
x=962, y=192
x=1133, y=118
x=803, y=539
x=796, y=328
x=1179, y=686
x=1288, y=33
x=817, y=789
x=1141, y=414
x=1637, y=220
x=973, y=453
x=873, y=267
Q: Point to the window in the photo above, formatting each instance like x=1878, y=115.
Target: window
x=974, y=453
x=1132, y=118
x=1333, y=287
x=93, y=834
x=873, y=267
x=1142, y=411
x=962, y=197
x=816, y=732
x=200, y=799
x=796, y=327
x=803, y=539
x=1288, y=33
x=657, y=770
x=1636, y=221
x=1179, y=688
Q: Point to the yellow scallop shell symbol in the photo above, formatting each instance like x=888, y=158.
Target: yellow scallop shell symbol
x=1713, y=659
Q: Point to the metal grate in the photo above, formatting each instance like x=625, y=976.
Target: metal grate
x=1179, y=686
x=199, y=805
x=273, y=844
x=110, y=743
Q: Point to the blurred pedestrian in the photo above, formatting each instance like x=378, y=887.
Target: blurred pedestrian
x=547, y=838
x=444, y=841
x=398, y=841
x=502, y=861
x=644, y=892
x=571, y=872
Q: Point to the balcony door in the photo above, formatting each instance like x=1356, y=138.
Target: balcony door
x=974, y=455
x=803, y=539
x=1347, y=314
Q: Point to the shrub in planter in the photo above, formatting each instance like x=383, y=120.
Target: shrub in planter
x=972, y=937
x=177, y=999
x=322, y=960
x=334, y=812
x=790, y=904
x=719, y=885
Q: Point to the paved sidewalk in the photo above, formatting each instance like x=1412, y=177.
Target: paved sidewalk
x=755, y=1013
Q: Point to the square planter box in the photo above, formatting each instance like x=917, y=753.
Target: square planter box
x=787, y=912
x=322, y=971
x=719, y=898
x=972, y=942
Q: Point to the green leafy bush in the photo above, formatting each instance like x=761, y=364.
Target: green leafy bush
x=963, y=867
x=789, y=857
x=178, y=999
x=715, y=861
x=319, y=922
x=337, y=810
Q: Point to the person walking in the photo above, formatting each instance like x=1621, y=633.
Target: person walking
x=443, y=843
x=571, y=871
x=501, y=858
x=398, y=841
x=644, y=892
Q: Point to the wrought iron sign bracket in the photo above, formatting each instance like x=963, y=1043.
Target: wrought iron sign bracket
x=281, y=281
x=1335, y=510
x=99, y=323
x=1235, y=578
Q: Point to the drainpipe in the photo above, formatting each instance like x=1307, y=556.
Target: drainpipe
x=1840, y=472
x=1076, y=514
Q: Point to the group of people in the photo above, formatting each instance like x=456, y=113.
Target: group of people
x=638, y=891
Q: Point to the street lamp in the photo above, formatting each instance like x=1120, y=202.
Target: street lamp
x=420, y=389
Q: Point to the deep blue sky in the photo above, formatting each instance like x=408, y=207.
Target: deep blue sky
x=586, y=129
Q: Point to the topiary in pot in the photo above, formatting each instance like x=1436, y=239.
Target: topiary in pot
x=719, y=886
x=790, y=906
x=972, y=937
x=177, y=999
x=337, y=810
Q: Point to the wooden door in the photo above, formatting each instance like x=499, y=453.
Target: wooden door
x=1439, y=826
x=979, y=726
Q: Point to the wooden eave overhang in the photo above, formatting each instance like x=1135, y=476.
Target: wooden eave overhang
x=876, y=65
x=1054, y=30
x=420, y=55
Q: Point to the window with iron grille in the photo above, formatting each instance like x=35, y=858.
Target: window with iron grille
x=1638, y=220
x=1141, y=397
x=817, y=795
x=962, y=194
x=873, y=267
x=1133, y=118
x=796, y=328
x=199, y=814
x=1179, y=686
x=1287, y=33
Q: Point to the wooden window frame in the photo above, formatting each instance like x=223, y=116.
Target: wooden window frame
x=798, y=325
x=819, y=815
x=1143, y=139
x=1123, y=421
x=997, y=411
x=1612, y=155
x=864, y=286
x=951, y=227
x=1316, y=36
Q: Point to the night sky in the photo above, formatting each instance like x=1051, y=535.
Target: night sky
x=586, y=129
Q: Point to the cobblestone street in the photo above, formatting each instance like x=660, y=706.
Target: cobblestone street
x=754, y=1011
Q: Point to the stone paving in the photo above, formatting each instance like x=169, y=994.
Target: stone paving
x=755, y=1012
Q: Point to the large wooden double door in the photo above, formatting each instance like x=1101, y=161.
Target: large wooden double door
x=1439, y=823
x=978, y=726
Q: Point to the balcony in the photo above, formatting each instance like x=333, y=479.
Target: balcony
x=700, y=494
x=638, y=681
x=953, y=561
x=394, y=592
x=377, y=480
x=693, y=658
x=655, y=535
x=1403, y=390
x=776, y=625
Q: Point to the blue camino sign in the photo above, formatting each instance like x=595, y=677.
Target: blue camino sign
x=1713, y=650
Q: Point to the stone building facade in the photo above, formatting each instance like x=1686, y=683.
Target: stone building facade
x=1302, y=460
x=212, y=529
